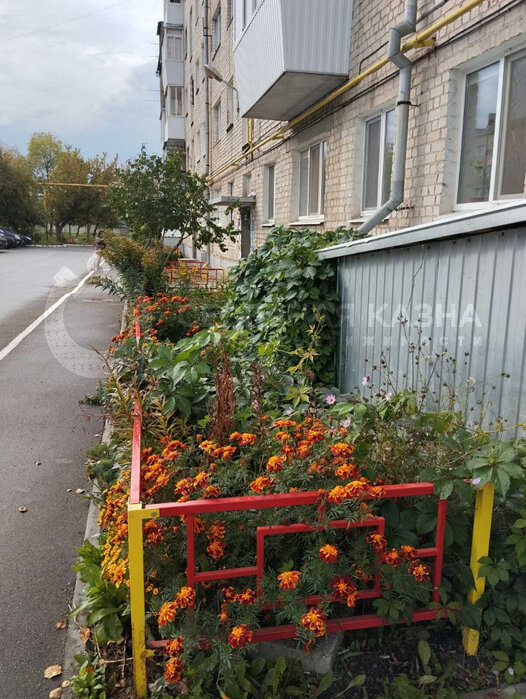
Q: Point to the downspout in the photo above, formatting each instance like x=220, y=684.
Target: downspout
x=207, y=114
x=395, y=55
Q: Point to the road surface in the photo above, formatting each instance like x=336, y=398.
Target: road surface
x=44, y=373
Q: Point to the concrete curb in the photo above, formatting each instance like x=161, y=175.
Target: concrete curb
x=74, y=644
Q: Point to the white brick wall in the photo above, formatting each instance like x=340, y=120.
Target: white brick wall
x=434, y=124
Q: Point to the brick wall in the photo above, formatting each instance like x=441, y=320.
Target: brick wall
x=434, y=126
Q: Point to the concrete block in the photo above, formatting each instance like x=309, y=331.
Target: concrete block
x=318, y=662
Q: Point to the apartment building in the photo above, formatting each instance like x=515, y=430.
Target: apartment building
x=283, y=115
x=170, y=70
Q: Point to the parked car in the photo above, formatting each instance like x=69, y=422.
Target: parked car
x=3, y=241
x=14, y=239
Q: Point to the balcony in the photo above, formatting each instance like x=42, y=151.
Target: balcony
x=172, y=128
x=291, y=53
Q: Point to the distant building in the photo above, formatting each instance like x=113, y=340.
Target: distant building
x=268, y=61
x=170, y=69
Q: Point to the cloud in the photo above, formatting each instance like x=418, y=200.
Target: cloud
x=90, y=80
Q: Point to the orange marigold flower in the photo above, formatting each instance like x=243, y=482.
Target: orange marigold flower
x=154, y=532
x=244, y=439
x=347, y=471
x=287, y=450
x=216, y=531
x=207, y=446
x=223, y=615
x=173, y=670
x=378, y=541
x=289, y=579
x=175, y=646
x=246, y=596
x=419, y=571
x=201, y=479
x=283, y=423
x=354, y=488
x=224, y=453
x=260, y=483
x=216, y=550
x=314, y=620
x=337, y=494
x=211, y=491
x=167, y=613
x=199, y=525
x=341, y=449
x=376, y=491
x=282, y=436
x=240, y=636
x=228, y=594
x=184, y=487
x=328, y=553
x=186, y=598
x=303, y=450
x=408, y=552
x=275, y=463
x=235, y=436
x=393, y=558
x=361, y=574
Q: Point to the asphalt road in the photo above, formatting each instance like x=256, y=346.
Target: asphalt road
x=42, y=380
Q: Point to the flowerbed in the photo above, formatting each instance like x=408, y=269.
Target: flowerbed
x=223, y=419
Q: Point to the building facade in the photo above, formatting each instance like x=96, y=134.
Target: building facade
x=170, y=70
x=255, y=126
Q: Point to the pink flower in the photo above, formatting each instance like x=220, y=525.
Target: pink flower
x=330, y=399
x=365, y=380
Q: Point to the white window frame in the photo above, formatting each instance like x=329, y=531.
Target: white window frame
x=216, y=29
x=269, y=220
x=177, y=99
x=320, y=215
x=494, y=200
x=174, y=37
x=229, y=104
x=216, y=121
x=383, y=122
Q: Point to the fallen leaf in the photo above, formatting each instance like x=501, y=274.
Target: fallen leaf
x=55, y=693
x=61, y=624
x=79, y=491
x=84, y=634
x=38, y=463
x=68, y=490
x=52, y=671
x=65, y=684
x=22, y=509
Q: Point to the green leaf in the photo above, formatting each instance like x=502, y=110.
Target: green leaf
x=424, y=652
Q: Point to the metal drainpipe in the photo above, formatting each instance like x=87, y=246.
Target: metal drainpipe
x=207, y=112
x=408, y=26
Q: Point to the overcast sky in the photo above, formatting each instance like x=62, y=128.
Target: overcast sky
x=82, y=69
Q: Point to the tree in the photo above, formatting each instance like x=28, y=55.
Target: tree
x=67, y=204
x=43, y=152
x=153, y=195
x=18, y=202
x=99, y=212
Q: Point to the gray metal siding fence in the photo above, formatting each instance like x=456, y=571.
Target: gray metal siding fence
x=465, y=296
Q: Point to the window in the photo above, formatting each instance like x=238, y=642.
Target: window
x=493, y=145
x=269, y=198
x=378, y=160
x=190, y=34
x=229, y=104
x=192, y=151
x=247, y=185
x=176, y=100
x=176, y=2
x=197, y=146
x=216, y=29
x=174, y=44
x=312, y=180
x=217, y=122
x=228, y=11
x=203, y=139
x=197, y=73
x=192, y=92
x=247, y=9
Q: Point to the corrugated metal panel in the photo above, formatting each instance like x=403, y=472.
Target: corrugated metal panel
x=464, y=297
x=317, y=35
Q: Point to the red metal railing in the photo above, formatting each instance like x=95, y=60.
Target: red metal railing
x=196, y=272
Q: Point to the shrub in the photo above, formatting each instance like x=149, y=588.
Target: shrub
x=283, y=293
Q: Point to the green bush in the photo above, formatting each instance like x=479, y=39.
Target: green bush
x=286, y=298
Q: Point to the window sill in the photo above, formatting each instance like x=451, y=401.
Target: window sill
x=310, y=221
x=485, y=205
x=268, y=224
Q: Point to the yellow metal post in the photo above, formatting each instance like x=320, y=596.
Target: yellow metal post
x=136, y=516
x=479, y=549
